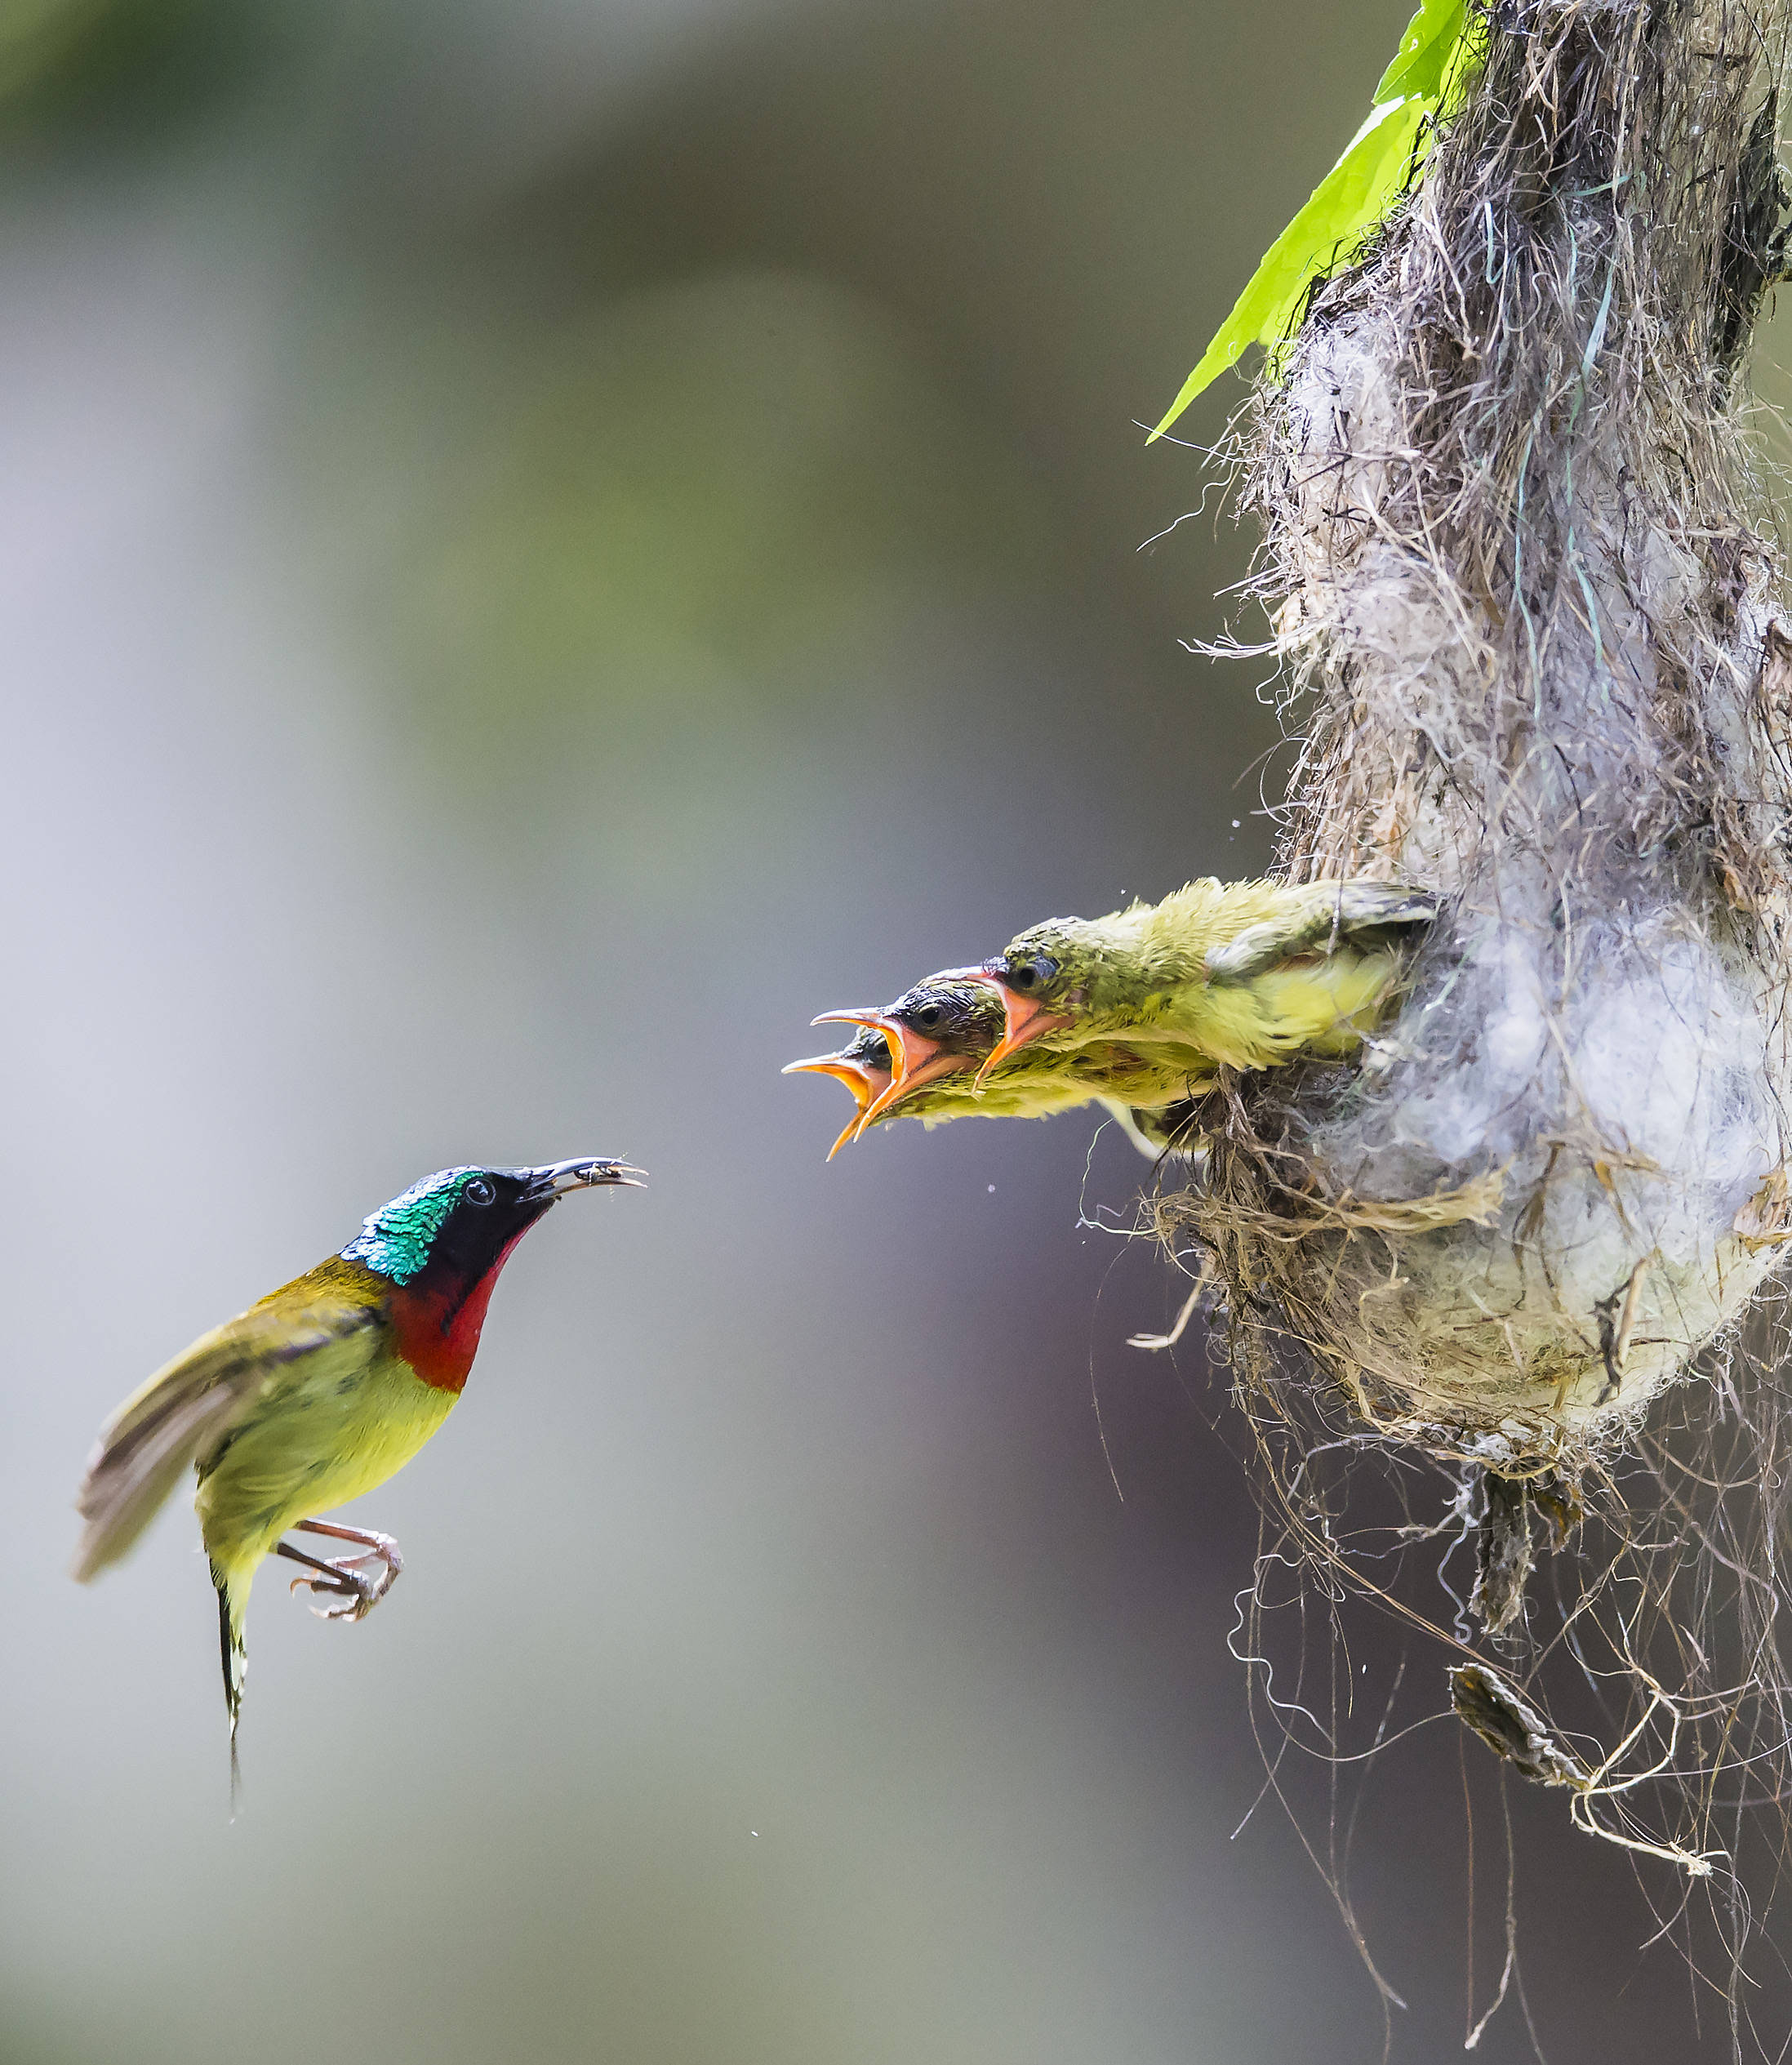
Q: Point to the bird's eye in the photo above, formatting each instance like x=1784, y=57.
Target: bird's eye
x=1031, y=973
x=927, y=1016
x=480, y=1191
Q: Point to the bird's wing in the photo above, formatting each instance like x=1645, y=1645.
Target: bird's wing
x=1366, y=912
x=188, y=1405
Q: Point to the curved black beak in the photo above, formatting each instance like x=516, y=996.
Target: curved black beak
x=582, y=1172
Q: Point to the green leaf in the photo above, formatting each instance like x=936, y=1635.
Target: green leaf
x=1350, y=199
x=1435, y=59
x=1423, y=59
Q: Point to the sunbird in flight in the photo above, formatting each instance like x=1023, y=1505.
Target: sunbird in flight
x=1138, y=1010
x=319, y=1393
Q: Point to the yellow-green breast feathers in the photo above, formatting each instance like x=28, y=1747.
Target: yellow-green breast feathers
x=323, y=1430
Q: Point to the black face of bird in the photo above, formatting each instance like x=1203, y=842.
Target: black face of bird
x=496, y=1205
x=961, y=1018
x=492, y=1208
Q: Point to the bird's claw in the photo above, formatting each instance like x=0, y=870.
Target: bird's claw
x=350, y=1580
x=350, y=1585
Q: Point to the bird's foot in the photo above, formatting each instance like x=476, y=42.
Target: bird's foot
x=348, y=1578
x=359, y=1582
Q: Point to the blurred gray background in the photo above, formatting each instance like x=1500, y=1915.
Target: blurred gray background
x=542, y=544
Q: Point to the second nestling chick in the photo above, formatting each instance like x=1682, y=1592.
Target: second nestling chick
x=931, y=1043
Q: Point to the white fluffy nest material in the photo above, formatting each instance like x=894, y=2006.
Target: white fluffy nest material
x=1535, y=662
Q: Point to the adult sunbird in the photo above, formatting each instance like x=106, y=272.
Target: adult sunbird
x=319, y=1393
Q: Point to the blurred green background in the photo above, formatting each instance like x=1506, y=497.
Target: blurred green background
x=543, y=544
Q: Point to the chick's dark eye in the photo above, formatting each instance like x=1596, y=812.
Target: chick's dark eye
x=479, y=1191
x=928, y=1015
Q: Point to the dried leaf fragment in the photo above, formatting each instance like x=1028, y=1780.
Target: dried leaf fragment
x=1512, y=1727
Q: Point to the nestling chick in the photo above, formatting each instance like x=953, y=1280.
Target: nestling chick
x=1245, y=974
x=938, y=1028
x=864, y=1065
x=919, y=1058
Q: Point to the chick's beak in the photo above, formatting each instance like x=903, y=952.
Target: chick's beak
x=1024, y=1018
x=915, y=1059
x=866, y=1082
x=582, y=1172
x=918, y=1060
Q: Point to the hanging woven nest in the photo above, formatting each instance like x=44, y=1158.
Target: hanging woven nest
x=1526, y=606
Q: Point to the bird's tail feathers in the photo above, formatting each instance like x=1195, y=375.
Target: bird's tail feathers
x=235, y=1658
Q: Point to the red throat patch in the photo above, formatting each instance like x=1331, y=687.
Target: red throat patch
x=438, y=1327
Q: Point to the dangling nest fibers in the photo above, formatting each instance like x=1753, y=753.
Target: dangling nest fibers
x=1526, y=606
